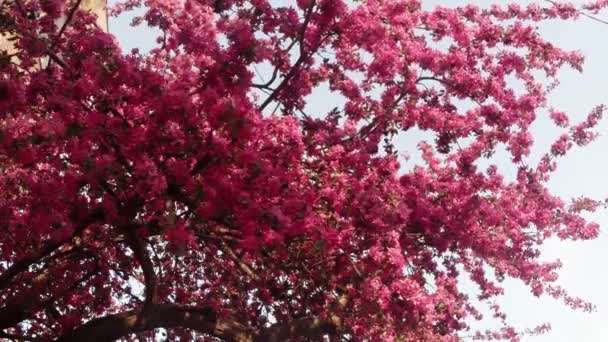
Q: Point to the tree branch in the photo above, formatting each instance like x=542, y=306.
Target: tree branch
x=311, y=328
x=23, y=264
x=139, y=250
x=275, y=72
x=581, y=12
x=240, y=263
x=67, y=21
x=296, y=66
x=15, y=313
x=203, y=320
x=13, y=337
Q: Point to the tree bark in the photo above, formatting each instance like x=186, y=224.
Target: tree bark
x=305, y=327
x=203, y=320
x=14, y=313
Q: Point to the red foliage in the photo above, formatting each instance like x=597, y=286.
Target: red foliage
x=163, y=191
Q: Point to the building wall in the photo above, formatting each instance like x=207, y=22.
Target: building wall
x=98, y=7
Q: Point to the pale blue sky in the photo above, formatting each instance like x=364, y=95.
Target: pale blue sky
x=582, y=172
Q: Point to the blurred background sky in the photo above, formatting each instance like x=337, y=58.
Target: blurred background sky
x=582, y=172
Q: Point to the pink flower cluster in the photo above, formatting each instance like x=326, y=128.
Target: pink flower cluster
x=178, y=171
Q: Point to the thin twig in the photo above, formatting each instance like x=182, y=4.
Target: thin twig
x=240, y=263
x=581, y=12
x=141, y=254
x=296, y=66
x=67, y=21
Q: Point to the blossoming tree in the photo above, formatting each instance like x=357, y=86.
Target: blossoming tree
x=174, y=193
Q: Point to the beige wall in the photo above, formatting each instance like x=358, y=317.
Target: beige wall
x=5, y=45
x=98, y=7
